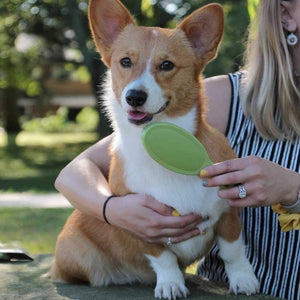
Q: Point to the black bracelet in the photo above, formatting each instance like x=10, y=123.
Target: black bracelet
x=104, y=208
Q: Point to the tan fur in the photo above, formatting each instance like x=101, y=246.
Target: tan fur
x=81, y=252
x=116, y=178
x=229, y=227
x=89, y=250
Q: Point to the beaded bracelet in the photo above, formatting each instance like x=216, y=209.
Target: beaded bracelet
x=104, y=208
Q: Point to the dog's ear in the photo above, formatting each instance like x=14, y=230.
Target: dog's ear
x=204, y=29
x=107, y=19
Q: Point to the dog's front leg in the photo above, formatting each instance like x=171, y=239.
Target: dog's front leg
x=169, y=282
x=238, y=269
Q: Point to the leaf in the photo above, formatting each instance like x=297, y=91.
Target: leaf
x=252, y=6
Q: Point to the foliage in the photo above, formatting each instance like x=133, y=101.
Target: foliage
x=86, y=121
x=59, y=33
x=33, y=36
x=252, y=6
x=15, y=65
x=51, y=38
x=50, y=123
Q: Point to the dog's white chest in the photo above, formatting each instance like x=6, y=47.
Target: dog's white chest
x=184, y=193
x=144, y=175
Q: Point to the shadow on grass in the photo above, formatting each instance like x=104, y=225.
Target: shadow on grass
x=34, y=168
x=38, y=184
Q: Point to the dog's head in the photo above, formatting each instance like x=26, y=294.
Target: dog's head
x=155, y=71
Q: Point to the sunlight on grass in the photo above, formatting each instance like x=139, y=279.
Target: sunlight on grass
x=33, y=163
x=3, y=138
x=49, y=139
x=34, y=230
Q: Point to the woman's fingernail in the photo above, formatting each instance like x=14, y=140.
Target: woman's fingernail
x=175, y=213
x=204, y=182
x=203, y=173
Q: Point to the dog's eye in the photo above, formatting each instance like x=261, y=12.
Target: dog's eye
x=126, y=62
x=166, y=66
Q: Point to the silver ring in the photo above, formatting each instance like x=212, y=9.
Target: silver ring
x=242, y=192
x=169, y=242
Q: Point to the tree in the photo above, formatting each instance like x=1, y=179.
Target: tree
x=15, y=66
x=55, y=26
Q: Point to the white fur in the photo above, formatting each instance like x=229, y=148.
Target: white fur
x=238, y=269
x=146, y=82
x=170, y=281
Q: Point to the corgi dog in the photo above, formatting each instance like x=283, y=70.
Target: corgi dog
x=154, y=76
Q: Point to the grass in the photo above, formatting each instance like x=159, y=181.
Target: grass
x=34, y=230
x=31, y=161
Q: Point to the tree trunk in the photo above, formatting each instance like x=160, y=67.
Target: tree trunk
x=93, y=64
x=11, y=110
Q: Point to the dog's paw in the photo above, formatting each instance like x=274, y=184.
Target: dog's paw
x=170, y=290
x=244, y=283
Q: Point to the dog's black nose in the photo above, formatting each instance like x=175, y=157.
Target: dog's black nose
x=136, y=97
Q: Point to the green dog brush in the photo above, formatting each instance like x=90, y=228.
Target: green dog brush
x=175, y=148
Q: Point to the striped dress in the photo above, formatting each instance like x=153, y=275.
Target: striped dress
x=274, y=255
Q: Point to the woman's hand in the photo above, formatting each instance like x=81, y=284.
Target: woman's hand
x=265, y=182
x=151, y=220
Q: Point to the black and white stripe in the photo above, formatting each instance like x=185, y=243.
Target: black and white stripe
x=274, y=255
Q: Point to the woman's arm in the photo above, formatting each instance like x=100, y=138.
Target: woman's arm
x=84, y=183
x=218, y=92
x=266, y=183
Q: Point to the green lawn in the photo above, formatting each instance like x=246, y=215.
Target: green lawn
x=33, y=162
x=36, y=230
x=30, y=162
x=32, y=229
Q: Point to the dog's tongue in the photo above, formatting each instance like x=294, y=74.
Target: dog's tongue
x=137, y=115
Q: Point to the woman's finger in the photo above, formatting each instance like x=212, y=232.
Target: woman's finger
x=174, y=227
x=222, y=168
x=169, y=240
x=181, y=222
x=160, y=208
x=226, y=179
x=236, y=192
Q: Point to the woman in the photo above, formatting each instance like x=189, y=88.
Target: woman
x=268, y=143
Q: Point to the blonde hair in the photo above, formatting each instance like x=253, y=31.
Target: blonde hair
x=269, y=89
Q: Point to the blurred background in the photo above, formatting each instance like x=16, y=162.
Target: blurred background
x=50, y=77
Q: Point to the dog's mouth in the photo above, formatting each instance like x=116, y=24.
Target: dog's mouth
x=139, y=117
